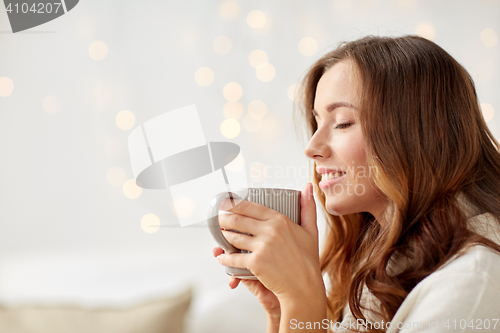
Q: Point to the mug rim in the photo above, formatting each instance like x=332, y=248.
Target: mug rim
x=263, y=188
x=266, y=191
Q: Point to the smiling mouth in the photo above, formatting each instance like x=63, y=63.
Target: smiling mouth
x=333, y=175
x=327, y=179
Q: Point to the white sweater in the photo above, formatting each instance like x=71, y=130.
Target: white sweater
x=462, y=296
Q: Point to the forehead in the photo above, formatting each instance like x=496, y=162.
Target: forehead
x=338, y=84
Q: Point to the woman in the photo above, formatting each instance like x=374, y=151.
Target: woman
x=413, y=216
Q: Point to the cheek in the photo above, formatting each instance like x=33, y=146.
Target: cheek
x=353, y=155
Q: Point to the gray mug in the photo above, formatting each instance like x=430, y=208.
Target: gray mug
x=285, y=201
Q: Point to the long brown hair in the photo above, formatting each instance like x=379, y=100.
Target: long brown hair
x=426, y=137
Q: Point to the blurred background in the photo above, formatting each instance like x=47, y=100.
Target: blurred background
x=75, y=230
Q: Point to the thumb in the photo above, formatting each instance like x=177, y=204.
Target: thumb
x=308, y=211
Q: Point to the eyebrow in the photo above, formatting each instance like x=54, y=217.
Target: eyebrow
x=333, y=106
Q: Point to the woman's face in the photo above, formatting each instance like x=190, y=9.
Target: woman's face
x=338, y=146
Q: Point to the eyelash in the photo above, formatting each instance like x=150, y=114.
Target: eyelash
x=339, y=126
x=343, y=125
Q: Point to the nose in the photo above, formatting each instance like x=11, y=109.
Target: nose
x=318, y=148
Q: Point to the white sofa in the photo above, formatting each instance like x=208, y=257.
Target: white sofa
x=122, y=293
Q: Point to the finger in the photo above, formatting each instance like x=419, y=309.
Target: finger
x=240, y=223
x=237, y=260
x=247, y=208
x=254, y=286
x=233, y=282
x=217, y=250
x=240, y=241
x=229, y=203
x=308, y=218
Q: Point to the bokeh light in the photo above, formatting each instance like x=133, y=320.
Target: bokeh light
x=6, y=86
x=257, y=109
x=259, y=172
x=257, y=57
x=233, y=110
x=308, y=46
x=52, y=104
x=183, y=207
x=125, y=120
x=256, y=19
x=150, y=223
x=270, y=132
x=251, y=124
x=131, y=190
x=103, y=95
x=229, y=9
x=488, y=111
x=98, y=50
x=236, y=164
x=265, y=72
x=232, y=91
x=293, y=92
x=204, y=76
x=489, y=37
x=230, y=128
x=222, y=45
x=426, y=30
x=116, y=176
x=113, y=148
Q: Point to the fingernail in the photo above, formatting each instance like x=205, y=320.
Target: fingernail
x=220, y=256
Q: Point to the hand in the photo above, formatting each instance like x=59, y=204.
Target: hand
x=268, y=300
x=284, y=256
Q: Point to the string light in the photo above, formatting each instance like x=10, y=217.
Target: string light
x=426, y=30
x=256, y=19
x=232, y=91
x=230, y=128
x=308, y=46
x=265, y=72
x=98, y=50
x=6, y=86
x=150, y=223
x=204, y=76
x=131, y=190
x=125, y=120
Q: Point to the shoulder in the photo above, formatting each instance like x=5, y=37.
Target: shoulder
x=477, y=263
x=477, y=259
x=467, y=288
x=472, y=268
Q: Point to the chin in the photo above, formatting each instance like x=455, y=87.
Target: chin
x=335, y=208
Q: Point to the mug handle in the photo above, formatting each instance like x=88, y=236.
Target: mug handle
x=213, y=221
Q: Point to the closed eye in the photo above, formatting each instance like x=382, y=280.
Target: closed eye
x=344, y=125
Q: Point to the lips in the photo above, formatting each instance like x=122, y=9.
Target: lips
x=329, y=182
x=323, y=170
x=329, y=176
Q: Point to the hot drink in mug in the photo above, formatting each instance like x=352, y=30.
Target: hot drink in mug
x=285, y=201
